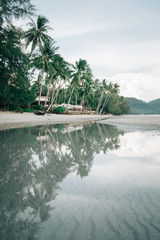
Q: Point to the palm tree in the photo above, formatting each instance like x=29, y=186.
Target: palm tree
x=110, y=90
x=61, y=77
x=42, y=60
x=37, y=34
x=49, y=79
x=78, y=74
x=102, y=94
x=87, y=82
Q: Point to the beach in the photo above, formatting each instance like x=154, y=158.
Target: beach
x=10, y=120
x=133, y=120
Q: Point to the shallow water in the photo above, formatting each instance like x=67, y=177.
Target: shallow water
x=82, y=182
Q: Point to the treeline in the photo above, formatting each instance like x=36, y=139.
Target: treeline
x=58, y=80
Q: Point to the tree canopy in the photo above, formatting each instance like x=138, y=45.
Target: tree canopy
x=30, y=63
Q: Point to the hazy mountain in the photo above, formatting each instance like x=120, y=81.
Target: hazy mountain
x=155, y=104
x=141, y=107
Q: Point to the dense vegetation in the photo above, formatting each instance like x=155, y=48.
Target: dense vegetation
x=58, y=80
x=140, y=107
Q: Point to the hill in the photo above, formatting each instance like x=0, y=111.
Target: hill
x=141, y=107
x=155, y=104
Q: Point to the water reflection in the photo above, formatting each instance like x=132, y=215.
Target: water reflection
x=33, y=163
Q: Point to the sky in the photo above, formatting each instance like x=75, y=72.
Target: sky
x=120, y=39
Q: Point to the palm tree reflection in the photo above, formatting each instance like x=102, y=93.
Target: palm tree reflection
x=34, y=161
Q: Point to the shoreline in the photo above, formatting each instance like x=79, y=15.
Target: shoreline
x=12, y=120
x=133, y=120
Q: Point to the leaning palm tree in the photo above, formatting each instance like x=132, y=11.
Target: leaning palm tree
x=49, y=81
x=37, y=34
x=42, y=60
x=61, y=77
x=78, y=74
x=55, y=69
x=87, y=82
x=111, y=88
x=102, y=94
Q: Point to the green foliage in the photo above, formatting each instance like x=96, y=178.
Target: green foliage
x=117, y=105
x=14, y=84
x=16, y=8
x=28, y=110
x=40, y=107
x=36, y=35
x=60, y=109
x=15, y=89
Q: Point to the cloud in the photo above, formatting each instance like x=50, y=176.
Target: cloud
x=143, y=85
x=134, y=66
x=71, y=32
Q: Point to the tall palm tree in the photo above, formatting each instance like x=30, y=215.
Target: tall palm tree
x=78, y=74
x=42, y=60
x=102, y=94
x=61, y=77
x=87, y=82
x=49, y=81
x=37, y=34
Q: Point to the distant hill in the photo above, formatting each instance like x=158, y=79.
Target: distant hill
x=155, y=104
x=141, y=107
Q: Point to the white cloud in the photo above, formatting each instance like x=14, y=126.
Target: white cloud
x=143, y=86
x=71, y=32
x=135, y=67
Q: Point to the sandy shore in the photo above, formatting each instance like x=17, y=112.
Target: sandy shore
x=134, y=120
x=9, y=120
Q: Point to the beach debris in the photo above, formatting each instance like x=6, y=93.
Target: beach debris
x=38, y=112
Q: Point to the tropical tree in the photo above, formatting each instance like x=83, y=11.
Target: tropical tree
x=37, y=34
x=87, y=82
x=110, y=88
x=78, y=75
x=103, y=87
x=42, y=60
x=61, y=76
x=15, y=78
x=48, y=82
x=10, y=9
x=14, y=84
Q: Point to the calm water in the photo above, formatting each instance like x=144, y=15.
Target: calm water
x=91, y=182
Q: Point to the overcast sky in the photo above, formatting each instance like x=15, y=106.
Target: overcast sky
x=120, y=39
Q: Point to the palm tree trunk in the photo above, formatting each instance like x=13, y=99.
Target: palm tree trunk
x=82, y=100
x=53, y=90
x=75, y=99
x=48, y=89
x=56, y=95
x=40, y=92
x=105, y=103
x=100, y=100
x=71, y=95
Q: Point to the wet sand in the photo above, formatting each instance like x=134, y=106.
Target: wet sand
x=9, y=120
x=133, y=120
